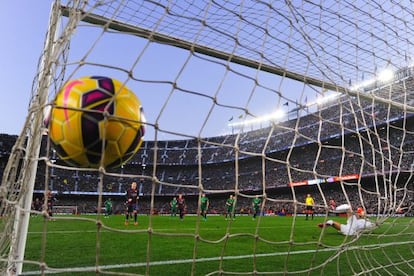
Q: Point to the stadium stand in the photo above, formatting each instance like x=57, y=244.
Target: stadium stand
x=177, y=160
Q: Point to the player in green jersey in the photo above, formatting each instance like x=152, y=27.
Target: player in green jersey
x=108, y=207
x=256, y=206
x=173, y=207
x=230, y=207
x=204, y=204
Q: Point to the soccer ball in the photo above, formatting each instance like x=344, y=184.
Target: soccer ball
x=96, y=121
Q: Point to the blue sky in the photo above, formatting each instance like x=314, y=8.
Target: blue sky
x=24, y=24
x=24, y=31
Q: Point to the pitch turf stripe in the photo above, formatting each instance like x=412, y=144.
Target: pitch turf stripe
x=186, y=261
x=153, y=230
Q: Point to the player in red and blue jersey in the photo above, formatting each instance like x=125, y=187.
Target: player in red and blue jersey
x=132, y=197
x=181, y=206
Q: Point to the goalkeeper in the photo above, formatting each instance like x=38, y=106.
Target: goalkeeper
x=355, y=222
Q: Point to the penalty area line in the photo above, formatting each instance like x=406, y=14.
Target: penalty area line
x=186, y=261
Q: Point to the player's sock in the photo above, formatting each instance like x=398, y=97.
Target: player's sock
x=327, y=223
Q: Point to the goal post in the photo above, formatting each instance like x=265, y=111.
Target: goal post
x=31, y=139
x=252, y=103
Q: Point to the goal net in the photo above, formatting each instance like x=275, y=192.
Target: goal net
x=272, y=100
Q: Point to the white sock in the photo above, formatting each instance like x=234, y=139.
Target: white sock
x=329, y=222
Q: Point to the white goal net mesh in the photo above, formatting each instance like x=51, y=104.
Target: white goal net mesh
x=277, y=99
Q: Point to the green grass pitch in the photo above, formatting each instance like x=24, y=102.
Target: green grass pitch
x=163, y=245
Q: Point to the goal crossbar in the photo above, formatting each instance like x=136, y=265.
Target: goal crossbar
x=169, y=40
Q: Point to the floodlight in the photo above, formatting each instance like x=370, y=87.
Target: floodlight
x=385, y=75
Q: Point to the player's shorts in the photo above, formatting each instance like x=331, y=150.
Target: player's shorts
x=309, y=208
x=132, y=207
x=354, y=225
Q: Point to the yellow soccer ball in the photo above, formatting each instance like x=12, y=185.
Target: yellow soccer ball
x=96, y=121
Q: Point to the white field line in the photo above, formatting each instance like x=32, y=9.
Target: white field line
x=184, y=261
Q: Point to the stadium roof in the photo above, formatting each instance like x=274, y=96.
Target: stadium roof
x=332, y=42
